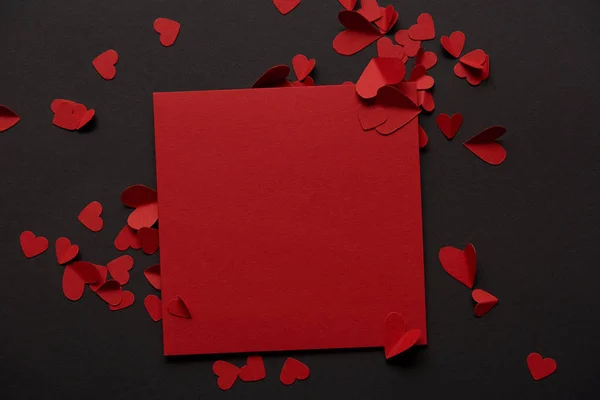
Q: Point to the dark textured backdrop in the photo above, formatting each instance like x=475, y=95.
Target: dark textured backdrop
x=534, y=219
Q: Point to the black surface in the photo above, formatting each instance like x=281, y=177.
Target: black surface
x=534, y=219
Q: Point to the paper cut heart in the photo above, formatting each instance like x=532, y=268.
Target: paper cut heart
x=302, y=66
x=370, y=10
x=90, y=216
x=227, y=373
x=127, y=299
x=400, y=109
x=426, y=58
x=484, y=145
x=31, y=245
x=389, y=17
x=475, y=66
x=285, y=6
x=540, y=367
x=348, y=4
x=105, y=64
x=449, y=125
x=380, y=71
x=65, y=251
x=75, y=277
x=86, y=117
x=168, y=30
x=308, y=81
x=423, y=139
x=371, y=115
x=475, y=59
x=359, y=33
x=424, y=29
x=460, y=264
x=127, y=238
x=152, y=274
x=178, y=308
x=153, y=305
x=411, y=47
x=149, y=239
x=110, y=292
x=8, y=118
x=119, y=268
x=144, y=200
x=65, y=117
x=254, y=370
x=397, y=337
x=387, y=48
x=275, y=77
x=420, y=77
x=454, y=44
x=425, y=100
x=293, y=370
x=485, y=301
x=103, y=272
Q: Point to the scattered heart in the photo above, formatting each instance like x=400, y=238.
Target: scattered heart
x=32, y=245
x=302, y=66
x=254, y=370
x=75, y=277
x=485, y=301
x=127, y=299
x=127, y=238
x=285, y=6
x=411, y=47
x=425, y=100
x=454, y=44
x=484, y=145
x=460, y=264
x=152, y=274
x=389, y=17
x=227, y=373
x=397, y=337
x=65, y=251
x=449, y=125
x=370, y=10
x=90, y=216
x=379, y=72
x=167, y=29
x=293, y=370
x=540, y=367
x=8, y=118
x=424, y=29
x=420, y=77
x=426, y=58
x=110, y=292
x=119, y=268
x=359, y=33
x=154, y=307
x=105, y=64
x=387, y=48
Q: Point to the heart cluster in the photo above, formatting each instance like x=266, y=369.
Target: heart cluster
x=70, y=115
x=254, y=370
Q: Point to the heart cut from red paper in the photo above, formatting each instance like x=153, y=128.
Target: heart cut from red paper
x=370, y=10
x=127, y=238
x=359, y=33
x=103, y=271
x=227, y=374
x=65, y=251
x=65, y=117
x=454, y=43
x=127, y=299
x=423, y=139
x=420, y=77
x=293, y=370
x=32, y=245
x=348, y=4
x=152, y=274
x=178, y=308
x=380, y=72
x=275, y=77
x=485, y=301
x=167, y=29
x=149, y=239
x=111, y=292
x=460, y=264
x=8, y=118
x=424, y=29
x=449, y=125
x=90, y=217
x=75, y=277
x=145, y=202
x=484, y=145
x=540, y=367
x=425, y=100
x=105, y=64
x=302, y=66
x=119, y=268
x=397, y=337
x=254, y=370
x=285, y=6
x=426, y=58
x=387, y=48
x=389, y=17
x=474, y=66
x=400, y=110
x=154, y=307
x=411, y=47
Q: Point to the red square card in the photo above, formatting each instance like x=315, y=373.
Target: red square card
x=284, y=225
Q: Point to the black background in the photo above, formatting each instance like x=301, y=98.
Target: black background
x=534, y=219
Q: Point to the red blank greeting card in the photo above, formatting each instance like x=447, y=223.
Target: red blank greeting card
x=284, y=225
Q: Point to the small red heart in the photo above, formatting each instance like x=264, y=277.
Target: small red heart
x=397, y=337
x=8, y=118
x=154, y=307
x=75, y=276
x=152, y=274
x=371, y=115
x=378, y=73
x=484, y=145
x=149, y=239
x=31, y=245
x=292, y=370
x=65, y=251
x=119, y=268
x=65, y=117
x=105, y=64
x=411, y=47
x=425, y=100
x=168, y=30
x=127, y=300
x=127, y=238
x=460, y=264
x=454, y=44
x=370, y=10
x=103, y=271
x=474, y=59
x=178, y=308
x=449, y=125
x=423, y=139
x=426, y=58
x=485, y=301
x=111, y=292
x=389, y=17
x=540, y=367
x=387, y=48
x=144, y=200
x=285, y=6
x=424, y=29
x=254, y=370
x=227, y=373
x=348, y=4
x=475, y=66
x=302, y=66
x=90, y=216
x=275, y=77
x=420, y=77
x=85, y=118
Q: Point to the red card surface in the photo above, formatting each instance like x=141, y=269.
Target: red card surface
x=283, y=224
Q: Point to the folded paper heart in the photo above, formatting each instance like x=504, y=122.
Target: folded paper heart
x=474, y=66
x=110, y=292
x=460, y=264
x=411, y=47
x=359, y=33
x=227, y=374
x=540, y=367
x=389, y=17
x=149, y=239
x=178, y=308
x=152, y=274
x=105, y=64
x=103, y=272
x=76, y=276
x=32, y=245
x=397, y=337
x=420, y=77
x=127, y=238
x=285, y=6
x=454, y=43
x=485, y=302
x=8, y=118
x=449, y=125
x=370, y=10
x=145, y=202
x=387, y=48
x=293, y=370
x=70, y=115
x=380, y=71
x=302, y=66
x=154, y=307
x=484, y=145
x=424, y=29
x=254, y=370
x=167, y=29
x=275, y=77
x=425, y=100
x=400, y=110
x=90, y=216
x=65, y=251
x=348, y=4
x=119, y=268
x=127, y=299
x=426, y=58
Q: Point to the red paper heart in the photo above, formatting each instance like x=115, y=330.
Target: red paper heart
x=227, y=373
x=308, y=81
x=292, y=370
x=454, y=44
x=348, y=4
x=127, y=238
x=8, y=118
x=85, y=118
x=485, y=301
x=127, y=299
x=302, y=66
x=420, y=77
x=275, y=77
x=484, y=145
x=149, y=239
x=75, y=276
x=90, y=216
x=475, y=66
x=411, y=47
x=426, y=58
x=397, y=337
x=424, y=29
x=103, y=272
x=425, y=100
x=423, y=139
x=460, y=264
x=178, y=308
x=105, y=64
x=154, y=307
x=119, y=268
x=31, y=245
x=540, y=367
x=370, y=10
x=110, y=292
x=254, y=370
x=449, y=125
x=400, y=110
x=144, y=200
x=168, y=30
x=380, y=71
x=65, y=117
x=389, y=17
x=475, y=59
x=359, y=33
x=152, y=274
x=387, y=48
x=285, y=6
x=371, y=115
x=65, y=251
